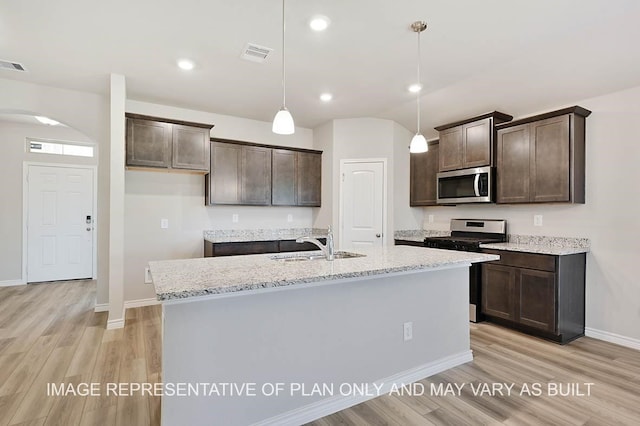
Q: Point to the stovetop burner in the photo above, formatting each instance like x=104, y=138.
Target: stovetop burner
x=468, y=234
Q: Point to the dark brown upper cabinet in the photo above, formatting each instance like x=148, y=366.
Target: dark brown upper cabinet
x=240, y=174
x=469, y=143
x=423, y=176
x=243, y=173
x=309, y=178
x=541, y=159
x=169, y=144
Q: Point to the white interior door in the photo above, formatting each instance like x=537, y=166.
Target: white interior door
x=362, y=204
x=59, y=223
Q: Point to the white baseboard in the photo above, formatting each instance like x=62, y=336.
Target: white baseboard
x=337, y=403
x=140, y=303
x=11, y=283
x=612, y=338
x=113, y=324
x=101, y=307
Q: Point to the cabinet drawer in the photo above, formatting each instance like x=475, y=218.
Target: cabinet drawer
x=540, y=262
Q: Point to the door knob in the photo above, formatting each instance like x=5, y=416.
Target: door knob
x=88, y=229
x=377, y=235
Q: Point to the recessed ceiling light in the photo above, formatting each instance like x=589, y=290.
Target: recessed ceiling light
x=415, y=88
x=47, y=120
x=319, y=23
x=326, y=97
x=186, y=64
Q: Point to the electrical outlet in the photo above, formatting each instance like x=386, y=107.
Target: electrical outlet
x=289, y=218
x=537, y=220
x=164, y=223
x=407, y=331
x=235, y=218
x=430, y=218
x=147, y=276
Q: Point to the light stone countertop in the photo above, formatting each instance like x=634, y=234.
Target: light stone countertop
x=536, y=248
x=556, y=246
x=180, y=279
x=272, y=234
x=418, y=235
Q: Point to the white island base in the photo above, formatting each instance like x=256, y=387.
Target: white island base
x=322, y=346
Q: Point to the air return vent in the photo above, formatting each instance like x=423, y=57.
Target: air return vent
x=255, y=53
x=11, y=65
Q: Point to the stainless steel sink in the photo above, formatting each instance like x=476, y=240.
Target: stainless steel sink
x=297, y=257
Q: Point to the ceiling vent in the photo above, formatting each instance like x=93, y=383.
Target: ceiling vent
x=8, y=65
x=255, y=53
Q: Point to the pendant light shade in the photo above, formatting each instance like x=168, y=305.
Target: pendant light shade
x=418, y=143
x=283, y=121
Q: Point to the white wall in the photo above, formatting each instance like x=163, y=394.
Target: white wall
x=151, y=196
x=404, y=217
x=367, y=138
x=89, y=114
x=610, y=217
x=13, y=138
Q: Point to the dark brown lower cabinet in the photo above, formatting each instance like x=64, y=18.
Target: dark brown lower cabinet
x=256, y=247
x=539, y=294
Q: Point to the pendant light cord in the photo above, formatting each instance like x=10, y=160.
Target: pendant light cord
x=419, y=84
x=284, y=90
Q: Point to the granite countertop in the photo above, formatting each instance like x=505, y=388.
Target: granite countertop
x=179, y=279
x=246, y=235
x=557, y=246
x=418, y=235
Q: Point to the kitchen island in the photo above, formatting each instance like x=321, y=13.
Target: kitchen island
x=261, y=341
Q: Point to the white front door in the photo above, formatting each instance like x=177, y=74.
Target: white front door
x=362, y=204
x=59, y=223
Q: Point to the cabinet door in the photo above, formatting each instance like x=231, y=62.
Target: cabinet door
x=223, y=180
x=148, y=143
x=550, y=166
x=513, y=166
x=537, y=299
x=309, y=173
x=283, y=177
x=499, y=291
x=423, y=177
x=451, y=149
x=191, y=148
x=476, y=139
x=255, y=176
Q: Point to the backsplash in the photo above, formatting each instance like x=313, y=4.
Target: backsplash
x=239, y=235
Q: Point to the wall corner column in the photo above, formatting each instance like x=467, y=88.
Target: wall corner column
x=118, y=96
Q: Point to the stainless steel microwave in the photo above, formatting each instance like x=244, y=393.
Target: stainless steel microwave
x=466, y=186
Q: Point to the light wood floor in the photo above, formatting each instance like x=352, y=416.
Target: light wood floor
x=49, y=333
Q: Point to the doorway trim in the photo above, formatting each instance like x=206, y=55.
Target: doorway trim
x=384, y=195
x=25, y=210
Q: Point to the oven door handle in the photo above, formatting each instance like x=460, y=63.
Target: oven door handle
x=476, y=184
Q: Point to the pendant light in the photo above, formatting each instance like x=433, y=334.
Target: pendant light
x=418, y=142
x=283, y=121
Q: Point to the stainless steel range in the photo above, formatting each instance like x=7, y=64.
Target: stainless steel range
x=467, y=235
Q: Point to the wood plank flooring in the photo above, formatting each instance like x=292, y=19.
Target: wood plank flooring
x=49, y=333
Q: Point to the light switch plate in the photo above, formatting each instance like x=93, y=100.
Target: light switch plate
x=147, y=276
x=430, y=218
x=407, y=331
x=289, y=218
x=235, y=218
x=164, y=223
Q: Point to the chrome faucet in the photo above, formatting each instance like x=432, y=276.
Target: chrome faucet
x=327, y=249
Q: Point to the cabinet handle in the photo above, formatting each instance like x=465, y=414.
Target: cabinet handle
x=377, y=235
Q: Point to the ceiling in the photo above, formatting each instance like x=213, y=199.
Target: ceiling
x=519, y=57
